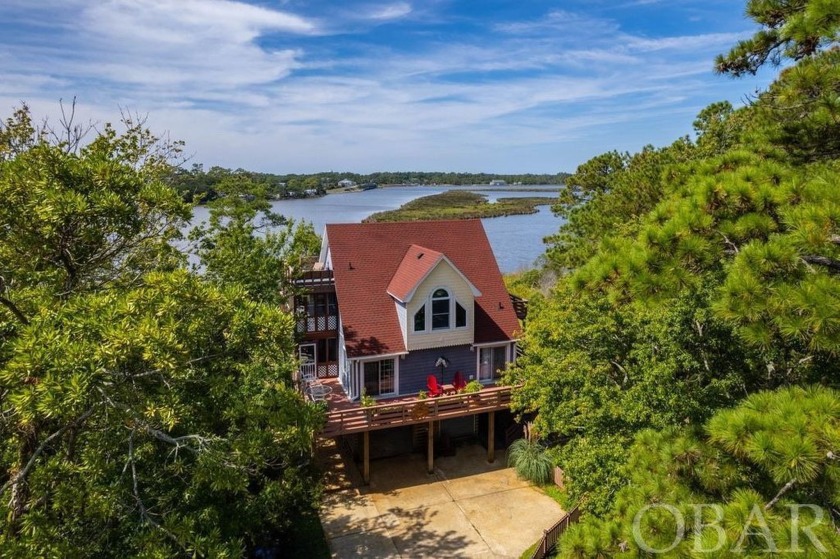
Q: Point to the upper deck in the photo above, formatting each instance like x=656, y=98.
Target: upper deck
x=346, y=417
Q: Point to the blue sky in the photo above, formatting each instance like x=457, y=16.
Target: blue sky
x=500, y=86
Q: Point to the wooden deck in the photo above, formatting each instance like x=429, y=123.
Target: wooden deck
x=345, y=417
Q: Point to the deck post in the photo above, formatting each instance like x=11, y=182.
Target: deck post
x=430, y=449
x=366, y=459
x=491, y=437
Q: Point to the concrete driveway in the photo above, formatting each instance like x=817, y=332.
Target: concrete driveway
x=467, y=508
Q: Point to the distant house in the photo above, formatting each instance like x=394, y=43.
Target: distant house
x=390, y=304
x=498, y=182
x=346, y=183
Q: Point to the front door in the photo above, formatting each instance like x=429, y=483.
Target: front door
x=308, y=355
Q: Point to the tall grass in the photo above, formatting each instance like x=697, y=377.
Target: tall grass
x=530, y=461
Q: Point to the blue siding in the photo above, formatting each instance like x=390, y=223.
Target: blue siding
x=419, y=364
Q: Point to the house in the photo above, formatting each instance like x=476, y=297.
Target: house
x=389, y=304
x=346, y=183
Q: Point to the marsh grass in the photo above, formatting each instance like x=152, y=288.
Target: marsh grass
x=459, y=204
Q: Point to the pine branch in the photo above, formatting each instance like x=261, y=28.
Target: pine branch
x=832, y=265
x=781, y=492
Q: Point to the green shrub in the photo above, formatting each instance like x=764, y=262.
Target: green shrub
x=530, y=461
x=473, y=386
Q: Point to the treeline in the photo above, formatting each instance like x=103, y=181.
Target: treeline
x=196, y=184
x=685, y=354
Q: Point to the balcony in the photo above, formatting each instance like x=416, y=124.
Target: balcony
x=314, y=281
x=345, y=417
x=306, y=324
x=316, y=313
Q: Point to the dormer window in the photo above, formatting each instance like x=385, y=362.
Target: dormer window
x=437, y=313
x=440, y=309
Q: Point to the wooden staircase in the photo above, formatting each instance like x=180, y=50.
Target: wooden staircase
x=420, y=436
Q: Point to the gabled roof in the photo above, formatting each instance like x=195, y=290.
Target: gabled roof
x=366, y=259
x=418, y=263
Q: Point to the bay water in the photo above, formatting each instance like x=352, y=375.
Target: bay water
x=517, y=240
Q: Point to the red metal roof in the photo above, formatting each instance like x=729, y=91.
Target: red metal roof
x=367, y=256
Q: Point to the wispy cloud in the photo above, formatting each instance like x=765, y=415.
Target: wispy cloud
x=289, y=90
x=391, y=11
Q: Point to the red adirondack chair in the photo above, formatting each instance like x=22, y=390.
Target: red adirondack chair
x=433, y=386
x=458, y=382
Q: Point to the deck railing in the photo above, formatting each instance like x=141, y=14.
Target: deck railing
x=315, y=278
x=383, y=416
x=549, y=540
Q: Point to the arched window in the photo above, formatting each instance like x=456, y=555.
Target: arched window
x=440, y=310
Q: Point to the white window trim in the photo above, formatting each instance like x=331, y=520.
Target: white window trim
x=395, y=357
x=452, y=314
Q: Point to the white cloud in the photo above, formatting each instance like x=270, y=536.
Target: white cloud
x=392, y=11
x=689, y=43
x=248, y=86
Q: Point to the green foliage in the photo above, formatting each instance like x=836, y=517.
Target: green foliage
x=473, y=386
x=147, y=411
x=235, y=246
x=753, y=462
x=598, y=372
x=83, y=219
x=530, y=461
x=693, y=276
x=792, y=29
x=608, y=195
x=800, y=112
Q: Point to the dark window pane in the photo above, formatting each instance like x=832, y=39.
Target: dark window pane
x=440, y=309
x=420, y=319
x=372, y=378
x=460, y=316
x=440, y=321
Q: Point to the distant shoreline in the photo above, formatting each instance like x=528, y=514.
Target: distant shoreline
x=470, y=187
x=460, y=204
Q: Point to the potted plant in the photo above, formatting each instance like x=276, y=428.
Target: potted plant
x=421, y=408
x=472, y=388
x=367, y=401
